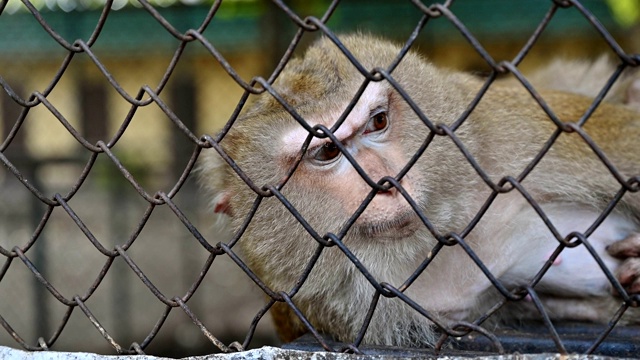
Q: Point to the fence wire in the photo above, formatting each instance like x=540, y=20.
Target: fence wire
x=147, y=95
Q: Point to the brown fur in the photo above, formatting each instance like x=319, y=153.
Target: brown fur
x=288, y=326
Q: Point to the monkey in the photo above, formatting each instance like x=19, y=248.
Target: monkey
x=427, y=191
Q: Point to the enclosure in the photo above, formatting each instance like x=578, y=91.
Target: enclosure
x=109, y=245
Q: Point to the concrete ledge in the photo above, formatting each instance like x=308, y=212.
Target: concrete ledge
x=269, y=353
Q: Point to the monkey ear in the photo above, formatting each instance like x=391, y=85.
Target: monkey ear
x=221, y=204
x=212, y=174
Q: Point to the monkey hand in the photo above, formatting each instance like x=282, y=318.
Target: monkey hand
x=628, y=273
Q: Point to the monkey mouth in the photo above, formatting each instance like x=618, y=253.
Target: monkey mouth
x=398, y=227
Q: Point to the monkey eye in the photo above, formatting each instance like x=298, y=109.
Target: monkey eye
x=378, y=122
x=327, y=153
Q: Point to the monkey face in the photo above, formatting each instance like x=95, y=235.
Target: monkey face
x=370, y=140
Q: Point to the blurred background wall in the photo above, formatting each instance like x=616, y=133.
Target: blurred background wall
x=136, y=50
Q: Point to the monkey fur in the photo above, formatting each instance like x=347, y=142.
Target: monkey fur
x=504, y=133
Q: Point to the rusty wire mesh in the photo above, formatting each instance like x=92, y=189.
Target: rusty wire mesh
x=148, y=95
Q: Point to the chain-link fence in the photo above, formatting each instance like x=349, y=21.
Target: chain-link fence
x=135, y=230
